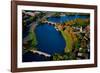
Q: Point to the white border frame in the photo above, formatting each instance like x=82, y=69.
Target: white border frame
x=20, y=64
